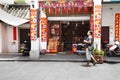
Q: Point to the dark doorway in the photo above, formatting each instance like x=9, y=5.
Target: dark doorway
x=74, y=33
x=24, y=35
x=104, y=36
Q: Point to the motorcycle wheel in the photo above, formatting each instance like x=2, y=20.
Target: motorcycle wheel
x=108, y=53
x=26, y=53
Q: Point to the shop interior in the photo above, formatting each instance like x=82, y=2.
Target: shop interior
x=63, y=34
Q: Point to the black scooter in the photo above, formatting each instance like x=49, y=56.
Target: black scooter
x=25, y=48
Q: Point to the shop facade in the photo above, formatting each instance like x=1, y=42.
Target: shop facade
x=60, y=8
x=48, y=11
x=51, y=33
x=65, y=16
x=65, y=24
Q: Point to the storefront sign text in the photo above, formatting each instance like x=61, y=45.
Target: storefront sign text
x=117, y=26
x=97, y=21
x=43, y=29
x=33, y=24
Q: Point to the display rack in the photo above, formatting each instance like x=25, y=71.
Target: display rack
x=54, y=37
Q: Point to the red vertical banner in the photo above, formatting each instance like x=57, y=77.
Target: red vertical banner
x=14, y=33
x=117, y=24
x=92, y=24
x=33, y=24
x=43, y=29
x=97, y=21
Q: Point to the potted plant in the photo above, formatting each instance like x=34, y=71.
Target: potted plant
x=99, y=55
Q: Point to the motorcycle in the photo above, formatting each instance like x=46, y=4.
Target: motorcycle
x=25, y=48
x=113, y=50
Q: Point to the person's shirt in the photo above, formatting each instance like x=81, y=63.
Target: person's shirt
x=89, y=38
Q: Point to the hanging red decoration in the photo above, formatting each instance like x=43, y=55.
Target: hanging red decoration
x=14, y=33
x=64, y=10
x=58, y=10
x=71, y=10
x=51, y=10
x=79, y=9
x=85, y=9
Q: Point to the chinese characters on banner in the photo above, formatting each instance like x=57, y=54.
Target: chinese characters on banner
x=117, y=24
x=74, y=3
x=97, y=21
x=33, y=22
x=43, y=29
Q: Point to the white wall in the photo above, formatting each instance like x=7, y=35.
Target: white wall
x=12, y=44
x=0, y=37
x=108, y=13
x=25, y=26
x=13, y=48
x=4, y=38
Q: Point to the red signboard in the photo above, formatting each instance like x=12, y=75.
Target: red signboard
x=74, y=3
x=67, y=7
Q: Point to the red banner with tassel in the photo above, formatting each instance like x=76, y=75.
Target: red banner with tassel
x=85, y=9
x=14, y=33
x=51, y=10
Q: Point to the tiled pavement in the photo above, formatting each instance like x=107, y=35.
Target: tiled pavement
x=48, y=57
x=53, y=57
x=58, y=71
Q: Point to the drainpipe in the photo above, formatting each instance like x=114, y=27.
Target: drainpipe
x=35, y=52
x=97, y=23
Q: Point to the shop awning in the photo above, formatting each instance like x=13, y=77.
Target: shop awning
x=10, y=19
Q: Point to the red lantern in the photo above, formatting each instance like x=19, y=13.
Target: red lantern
x=79, y=9
x=85, y=9
x=58, y=10
x=71, y=10
x=64, y=10
x=51, y=10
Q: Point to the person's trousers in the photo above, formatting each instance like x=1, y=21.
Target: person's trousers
x=88, y=54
